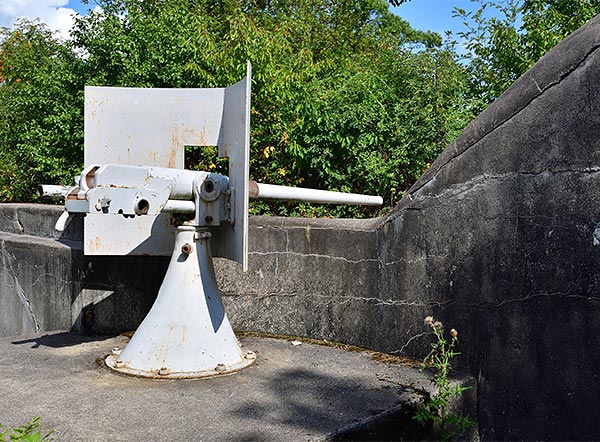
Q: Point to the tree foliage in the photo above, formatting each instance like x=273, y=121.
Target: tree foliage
x=41, y=125
x=505, y=38
x=346, y=95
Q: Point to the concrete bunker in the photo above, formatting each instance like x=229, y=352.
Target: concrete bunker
x=497, y=237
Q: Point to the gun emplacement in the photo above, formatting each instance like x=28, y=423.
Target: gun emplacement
x=162, y=209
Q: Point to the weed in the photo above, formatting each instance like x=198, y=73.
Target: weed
x=29, y=432
x=435, y=409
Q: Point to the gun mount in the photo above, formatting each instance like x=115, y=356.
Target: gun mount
x=159, y=208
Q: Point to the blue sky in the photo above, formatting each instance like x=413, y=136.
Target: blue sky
x=435, y=15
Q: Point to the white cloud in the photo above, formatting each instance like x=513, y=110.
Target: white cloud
x=52, y=12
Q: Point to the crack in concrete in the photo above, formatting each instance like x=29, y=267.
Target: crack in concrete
x=529, y=297
x=13, y=217
x=287, y=228
x=420, y=259
x=26, y=303
x=339, y=300
x=379, y=261
x=407, y=343
x=585, y=170
x=315, y=255
x=8, y=260
x=500, y=124
x=482, y=180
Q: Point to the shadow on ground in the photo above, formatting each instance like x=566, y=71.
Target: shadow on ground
x=60, y=340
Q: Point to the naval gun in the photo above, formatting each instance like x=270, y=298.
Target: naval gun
x=137, y=199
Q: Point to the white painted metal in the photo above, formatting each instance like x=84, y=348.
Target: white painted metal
x=235, y=144
x=151, y=127
x=121, y=188
x=134, y=180
x=61, y=222
x=118, y=175
x=103, y=231
x=52, y=191
x=187, y=333
x=122, y=203
x=179, y=206
x=270, y=191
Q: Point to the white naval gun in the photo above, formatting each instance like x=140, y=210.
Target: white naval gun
x=137, y=199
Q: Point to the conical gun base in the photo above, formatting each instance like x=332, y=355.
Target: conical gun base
x=186, y=334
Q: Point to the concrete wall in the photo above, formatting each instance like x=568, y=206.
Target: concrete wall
x=500, y=234
x=46, y=283
x=297, y=266
x=497, y=239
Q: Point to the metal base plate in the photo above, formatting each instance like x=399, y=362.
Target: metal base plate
x=165, y=373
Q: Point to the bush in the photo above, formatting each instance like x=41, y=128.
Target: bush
x=346, y=95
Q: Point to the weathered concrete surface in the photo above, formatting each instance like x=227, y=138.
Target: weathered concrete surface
x=499, y=234
x=305, y=392
x=35, y=288
x=37, y=220
x=496, y=239
x=318, y=278
x=46, y=283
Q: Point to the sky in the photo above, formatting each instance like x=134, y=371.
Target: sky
x=434, y=15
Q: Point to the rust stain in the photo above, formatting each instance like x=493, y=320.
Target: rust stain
x=253, y=189
x=181, y=137
x=175, y=139
x=94, y=245
x=172, y=158
x=153, y=159
x=201, y=137
x=192, y=137
x=89, y=177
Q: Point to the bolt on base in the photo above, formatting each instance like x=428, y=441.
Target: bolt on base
x=115, y=364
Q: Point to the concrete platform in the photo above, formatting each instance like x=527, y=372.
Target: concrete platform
x=304, y=392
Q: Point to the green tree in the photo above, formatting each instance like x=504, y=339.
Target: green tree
x=346, y=95
x=41, y=100
x=505, y=38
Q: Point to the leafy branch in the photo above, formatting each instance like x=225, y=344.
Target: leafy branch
x=29, y=432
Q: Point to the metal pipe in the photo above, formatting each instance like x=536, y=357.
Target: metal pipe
x=179, y=206
x=183, y=180
x=120, y=175
x=61, y=222
x=52, y=191
x=271, y=191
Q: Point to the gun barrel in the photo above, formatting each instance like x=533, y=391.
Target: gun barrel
x=271, y=191
x=53, y=192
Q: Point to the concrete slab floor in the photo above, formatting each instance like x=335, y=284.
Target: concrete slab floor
x=304, y=392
